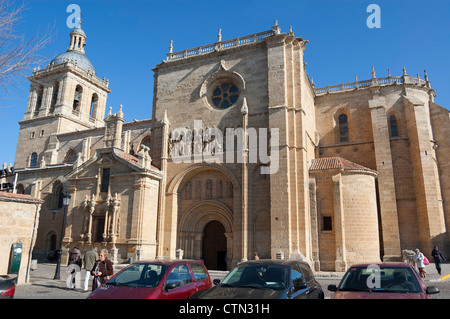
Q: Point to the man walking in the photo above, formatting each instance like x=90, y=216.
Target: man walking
x=90, y=257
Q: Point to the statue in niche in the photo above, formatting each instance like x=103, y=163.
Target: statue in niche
x=219, y=189
x=188, y=191
x=198, y=190
x=230, y=189
x=208, y=188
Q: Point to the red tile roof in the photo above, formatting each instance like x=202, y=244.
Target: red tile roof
x=11, y=197
x=133, y=159
x=326, y=163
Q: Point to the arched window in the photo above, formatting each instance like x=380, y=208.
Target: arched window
x=94, y=103
x=343, y=128
x=77, y=98
x=71, y=157
x=54, y=97
x=146, y=142
x=33, y=160
x=393, y=128
x=40, y=93
x=56, y=197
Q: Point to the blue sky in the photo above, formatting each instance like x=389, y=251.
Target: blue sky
x=126, y=39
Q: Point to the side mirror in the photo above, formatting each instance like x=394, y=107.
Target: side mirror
x=300, y=285
x=216, y=281
x=332, y=287
x=432, y=290
x=172, y=285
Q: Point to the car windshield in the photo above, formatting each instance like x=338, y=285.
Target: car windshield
x=257, y=276
x=139, y=275
x=380, y=279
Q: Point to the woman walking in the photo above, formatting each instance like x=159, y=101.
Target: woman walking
x=419, y=257
x=102, y=269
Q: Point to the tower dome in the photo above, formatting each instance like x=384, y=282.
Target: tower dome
x=75, y=52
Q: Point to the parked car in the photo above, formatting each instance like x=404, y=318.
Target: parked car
x=266, y=279
x=382, y=281
x=156, y=279
x=7, y=286
x=52, y=255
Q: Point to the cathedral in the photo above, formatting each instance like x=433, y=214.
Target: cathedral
x=242, y=154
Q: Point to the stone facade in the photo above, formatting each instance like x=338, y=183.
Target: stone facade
x=335, y=175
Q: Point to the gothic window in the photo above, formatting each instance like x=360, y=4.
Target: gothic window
x=104, y=186
x=77, y=98
x=343, y=128
x=54, y=97
x=393, y=126
x=33, y=160
x=94, y=103
x=71, y=157
x=225, y=95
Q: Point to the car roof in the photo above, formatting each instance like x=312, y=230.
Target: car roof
x=167, y=261
x=382, y=264
x=284, y=262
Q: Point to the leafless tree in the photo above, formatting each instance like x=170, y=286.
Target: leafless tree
x=17, y=55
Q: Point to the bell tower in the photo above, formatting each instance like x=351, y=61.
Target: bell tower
x=64, y=97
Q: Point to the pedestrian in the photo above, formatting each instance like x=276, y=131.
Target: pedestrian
x=255, y=256
x=101, y=270
x=90, y=257
x=438, y=258
x=419, y=257
x=74, y=264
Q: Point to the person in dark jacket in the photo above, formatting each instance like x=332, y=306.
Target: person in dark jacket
x=102, y=269
x=438, y=258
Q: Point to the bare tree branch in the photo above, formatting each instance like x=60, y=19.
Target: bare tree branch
x=17, y=56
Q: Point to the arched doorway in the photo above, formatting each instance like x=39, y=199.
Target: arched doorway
x=214, y=246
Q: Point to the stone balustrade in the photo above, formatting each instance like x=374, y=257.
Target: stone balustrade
x=218, y=46
x=389, y=80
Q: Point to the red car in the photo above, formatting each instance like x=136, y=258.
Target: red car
x=156, y=279
x=382, y=281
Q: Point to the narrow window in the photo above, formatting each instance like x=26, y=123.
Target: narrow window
x=39, y=99
x=33, y=161
x=105, y=180
x=393, y=126
x=77, y=98
x=54, y=97
x=327, y=223
x=94, y=102
x=343, y=128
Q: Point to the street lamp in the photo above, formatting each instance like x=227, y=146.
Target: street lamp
x=66, y=203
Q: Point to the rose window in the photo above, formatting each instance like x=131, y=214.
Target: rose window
x=225, y=95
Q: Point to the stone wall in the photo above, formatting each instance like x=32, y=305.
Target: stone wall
x=19, y=220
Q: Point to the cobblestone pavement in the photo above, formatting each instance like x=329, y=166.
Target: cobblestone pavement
x=43, y=286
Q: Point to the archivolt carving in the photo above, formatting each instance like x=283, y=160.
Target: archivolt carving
x=196, y=217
